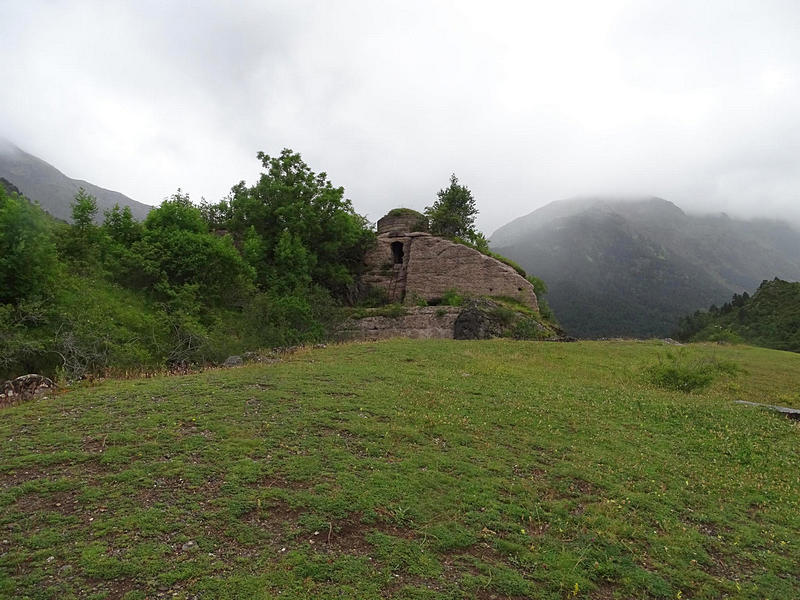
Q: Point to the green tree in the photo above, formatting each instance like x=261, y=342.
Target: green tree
x=80, y=243
x=120, y=225
x=28, y=261
x=84, y=210
x=177, y=251
x=453, y=213
x=297, y=227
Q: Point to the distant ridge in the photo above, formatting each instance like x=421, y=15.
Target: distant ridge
x=54, y=191
x=635, y=266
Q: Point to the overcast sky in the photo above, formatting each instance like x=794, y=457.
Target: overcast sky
x=527, y=102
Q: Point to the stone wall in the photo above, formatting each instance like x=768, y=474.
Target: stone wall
x=402, y=221
x=419, y=322
x=430, y=266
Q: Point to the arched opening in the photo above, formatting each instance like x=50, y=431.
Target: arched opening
x=397, y=252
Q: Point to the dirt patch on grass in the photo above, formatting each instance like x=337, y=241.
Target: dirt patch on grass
x=724, y=567
x=115, y=589
x=15, y=477
x=65, y=503
x=604, y=591
x=94, y=445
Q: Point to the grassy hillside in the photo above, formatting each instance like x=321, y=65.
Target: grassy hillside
x=411, y=469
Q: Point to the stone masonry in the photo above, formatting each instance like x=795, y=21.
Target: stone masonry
x=411, y=265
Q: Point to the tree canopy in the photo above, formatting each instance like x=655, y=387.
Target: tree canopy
x=296, y=227
x=176, y=250
x=27, y=253
x=453, y=213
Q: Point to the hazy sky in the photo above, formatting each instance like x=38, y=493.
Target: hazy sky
x=527, y=102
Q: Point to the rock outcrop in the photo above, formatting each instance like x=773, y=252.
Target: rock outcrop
x=478, y=319
x=25, y=387
x=415, y=265
x=419, y=322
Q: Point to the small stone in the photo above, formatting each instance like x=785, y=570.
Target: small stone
x=50, y=559
x=233, y=361
x=189, y=545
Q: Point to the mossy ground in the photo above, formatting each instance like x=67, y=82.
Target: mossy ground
x=410, y=469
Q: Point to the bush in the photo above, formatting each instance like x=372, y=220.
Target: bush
x=504, y=315
x=28, y=264
x=685, y=372
x=289, y=319
x=452, y=298
x=371, y=296
x=528, y=329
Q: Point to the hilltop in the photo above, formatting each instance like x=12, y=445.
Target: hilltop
x=54, y=191
x=408, y=469
x=633, y=267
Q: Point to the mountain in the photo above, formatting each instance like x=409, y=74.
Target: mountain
x=634, y=267
x=54, y=191
x=769, y=318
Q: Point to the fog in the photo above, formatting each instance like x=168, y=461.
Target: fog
x=526, y=102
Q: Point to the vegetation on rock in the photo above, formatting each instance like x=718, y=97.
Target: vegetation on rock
x=453, y=213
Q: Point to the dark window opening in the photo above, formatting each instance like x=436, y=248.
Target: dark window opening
x=434, y=301
x=397, y=252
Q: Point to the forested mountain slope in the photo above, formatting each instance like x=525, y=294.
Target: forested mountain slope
x=769, y=318
x=634, y=267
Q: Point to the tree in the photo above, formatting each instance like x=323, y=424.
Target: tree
x=120, y=225
x=27, y=255
x=81, y=241
x=296, y=227
x=177, y=255
x=84, y=210
x=453, y=213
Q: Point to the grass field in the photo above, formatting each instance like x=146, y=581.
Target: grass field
x=415, y=470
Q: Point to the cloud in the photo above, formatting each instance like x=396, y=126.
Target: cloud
x=525, y=102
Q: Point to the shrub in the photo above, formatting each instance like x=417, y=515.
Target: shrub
x=504, y=315
x=288, y=319
x=371, y=296
x=528, y=329
x=685, y=372
x=28, y=263
x=452, y=298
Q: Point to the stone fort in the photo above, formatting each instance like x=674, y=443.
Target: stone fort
x=410, y=264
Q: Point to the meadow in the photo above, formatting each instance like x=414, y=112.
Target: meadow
x=418, y=470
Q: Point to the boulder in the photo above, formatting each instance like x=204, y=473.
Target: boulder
x=233, y=361
x=25, y=387
x=476, y=322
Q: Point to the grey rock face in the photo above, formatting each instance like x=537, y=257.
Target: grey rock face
x=476, y=322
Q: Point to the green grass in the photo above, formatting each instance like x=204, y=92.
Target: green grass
x=410, y=469
x=686, y=371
